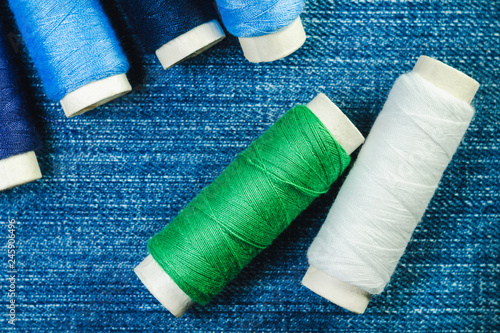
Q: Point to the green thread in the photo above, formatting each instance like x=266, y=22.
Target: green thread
x=259, y=194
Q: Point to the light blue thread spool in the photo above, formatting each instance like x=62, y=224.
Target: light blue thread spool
x=75, y=51
x=268, y=30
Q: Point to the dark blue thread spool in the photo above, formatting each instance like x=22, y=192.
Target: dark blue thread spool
x=18, y=137
x=174, y=30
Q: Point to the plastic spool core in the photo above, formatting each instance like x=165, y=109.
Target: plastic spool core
x=163, y=288
x=18, y=170
x=274, y=46
x=341, y=128
x=94, y=94
x=447, y=78
x=352, y=298
x=190, y=44
x=159, y=282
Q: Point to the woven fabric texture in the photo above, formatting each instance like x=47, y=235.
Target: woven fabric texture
x=117, y=175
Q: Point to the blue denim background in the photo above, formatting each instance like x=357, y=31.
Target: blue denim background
x=115, y=176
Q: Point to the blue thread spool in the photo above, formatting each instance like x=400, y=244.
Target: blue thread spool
x=267, y=30
x=74, y=50
x=18, y=138
x=174, y=30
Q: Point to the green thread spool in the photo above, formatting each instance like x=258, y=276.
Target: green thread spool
x=260, y=193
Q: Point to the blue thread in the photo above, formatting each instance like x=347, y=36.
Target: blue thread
x=72, y=43
x=17, y=132
x=156, y=22
x=253, y=18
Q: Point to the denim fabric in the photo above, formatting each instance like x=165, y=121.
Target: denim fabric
x=115, y=176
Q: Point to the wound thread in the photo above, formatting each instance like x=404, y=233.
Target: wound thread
x=259, y=194
x=17, y=130
x=254, y=18
x=71, y=43
x=156, y=22
x=390, y=185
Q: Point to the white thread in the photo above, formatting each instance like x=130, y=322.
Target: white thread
x=388, y=189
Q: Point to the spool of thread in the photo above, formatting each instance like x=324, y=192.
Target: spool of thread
x=390, y=185
x=18, y=138
x=267, y=30
x=248, y=205
x=174, y=30
x=75, y=51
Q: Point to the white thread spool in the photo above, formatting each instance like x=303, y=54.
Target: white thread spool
x=190, y=44
x=274, y=46
x=159, y=282
x=347, y=295
x=18, y=170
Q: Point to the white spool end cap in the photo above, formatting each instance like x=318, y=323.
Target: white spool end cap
x=190, y=44
x=341, y=128
x=163, y=288
x=18, y=170
x=274, y=46
x=447, y=78
x=94, y=94
x=336, y=291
